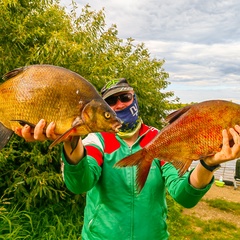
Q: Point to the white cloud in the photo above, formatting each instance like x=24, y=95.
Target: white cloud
x=199, y=39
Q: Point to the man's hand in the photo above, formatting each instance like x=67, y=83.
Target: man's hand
x=38, y=133
x=227, y=153
x=200, y=176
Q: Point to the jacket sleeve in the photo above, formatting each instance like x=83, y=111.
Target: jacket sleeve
x=180, y=188
x=83, y=176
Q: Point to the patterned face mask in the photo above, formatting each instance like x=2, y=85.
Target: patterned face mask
x=129, y=116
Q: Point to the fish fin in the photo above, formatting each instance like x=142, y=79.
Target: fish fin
x=13, y=73
x=5, y=135
x=131, y=160
x=182, y=167
x=62, y=137
x=176, y=114
x=74, y=143
x=142, y=161
x=77, y=122
x=23, y=123
x=142, y=173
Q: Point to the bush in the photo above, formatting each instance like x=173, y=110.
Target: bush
x=32, y=174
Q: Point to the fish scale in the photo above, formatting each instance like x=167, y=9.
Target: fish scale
x=193, y=132
x=57, y=95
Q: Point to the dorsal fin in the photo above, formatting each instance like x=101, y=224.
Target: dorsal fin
x=176, y=114
x=13, y=73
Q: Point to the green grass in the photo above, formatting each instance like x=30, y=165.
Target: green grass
x=62, y=222
x=225, y=205
x=193, y=228
x=186, y=227
x=55, y=222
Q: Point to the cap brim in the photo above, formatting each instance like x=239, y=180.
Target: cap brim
x=117, y=90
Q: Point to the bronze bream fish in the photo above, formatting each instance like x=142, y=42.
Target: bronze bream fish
x=194, y=132
x=55, y=94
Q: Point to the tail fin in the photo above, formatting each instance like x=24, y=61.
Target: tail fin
x=143, y=162
x=5, y=135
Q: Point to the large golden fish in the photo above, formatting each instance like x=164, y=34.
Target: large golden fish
x=55, y=94
x=194, y=132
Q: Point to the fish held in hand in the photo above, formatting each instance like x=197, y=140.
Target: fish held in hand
x=57, y=95
x=193, y=132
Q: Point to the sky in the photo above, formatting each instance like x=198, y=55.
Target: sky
x=198, y=39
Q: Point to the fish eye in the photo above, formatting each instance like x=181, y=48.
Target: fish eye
x=107, y=115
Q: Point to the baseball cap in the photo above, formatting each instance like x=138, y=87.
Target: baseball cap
x=115, y=86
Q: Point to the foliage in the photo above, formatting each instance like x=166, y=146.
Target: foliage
x=32, y=174
x=25, y=29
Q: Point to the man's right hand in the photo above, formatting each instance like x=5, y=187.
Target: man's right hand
x=38, y=133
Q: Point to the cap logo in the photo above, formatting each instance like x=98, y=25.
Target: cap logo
x=111, y=83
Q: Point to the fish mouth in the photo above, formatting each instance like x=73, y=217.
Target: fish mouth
x=117, y=127
x=118, y=124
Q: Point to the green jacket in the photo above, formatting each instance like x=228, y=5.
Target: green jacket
x=114, y=210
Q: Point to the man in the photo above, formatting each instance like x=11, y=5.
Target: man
x=114, y=209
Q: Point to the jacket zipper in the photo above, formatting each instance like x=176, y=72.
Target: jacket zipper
x=133, y=194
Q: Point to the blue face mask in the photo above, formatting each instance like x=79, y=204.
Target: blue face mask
x=129, y=116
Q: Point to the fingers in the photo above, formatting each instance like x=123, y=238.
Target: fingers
x=236, y=138
x=228, y=152
x=30, y=134
x=39, y=133
x=237, y=128
x=225, y=138
x=235, y=135
x=18, y=131
x=26, y=133
x=50, y=131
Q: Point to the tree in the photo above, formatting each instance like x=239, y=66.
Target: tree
x=36, y=32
